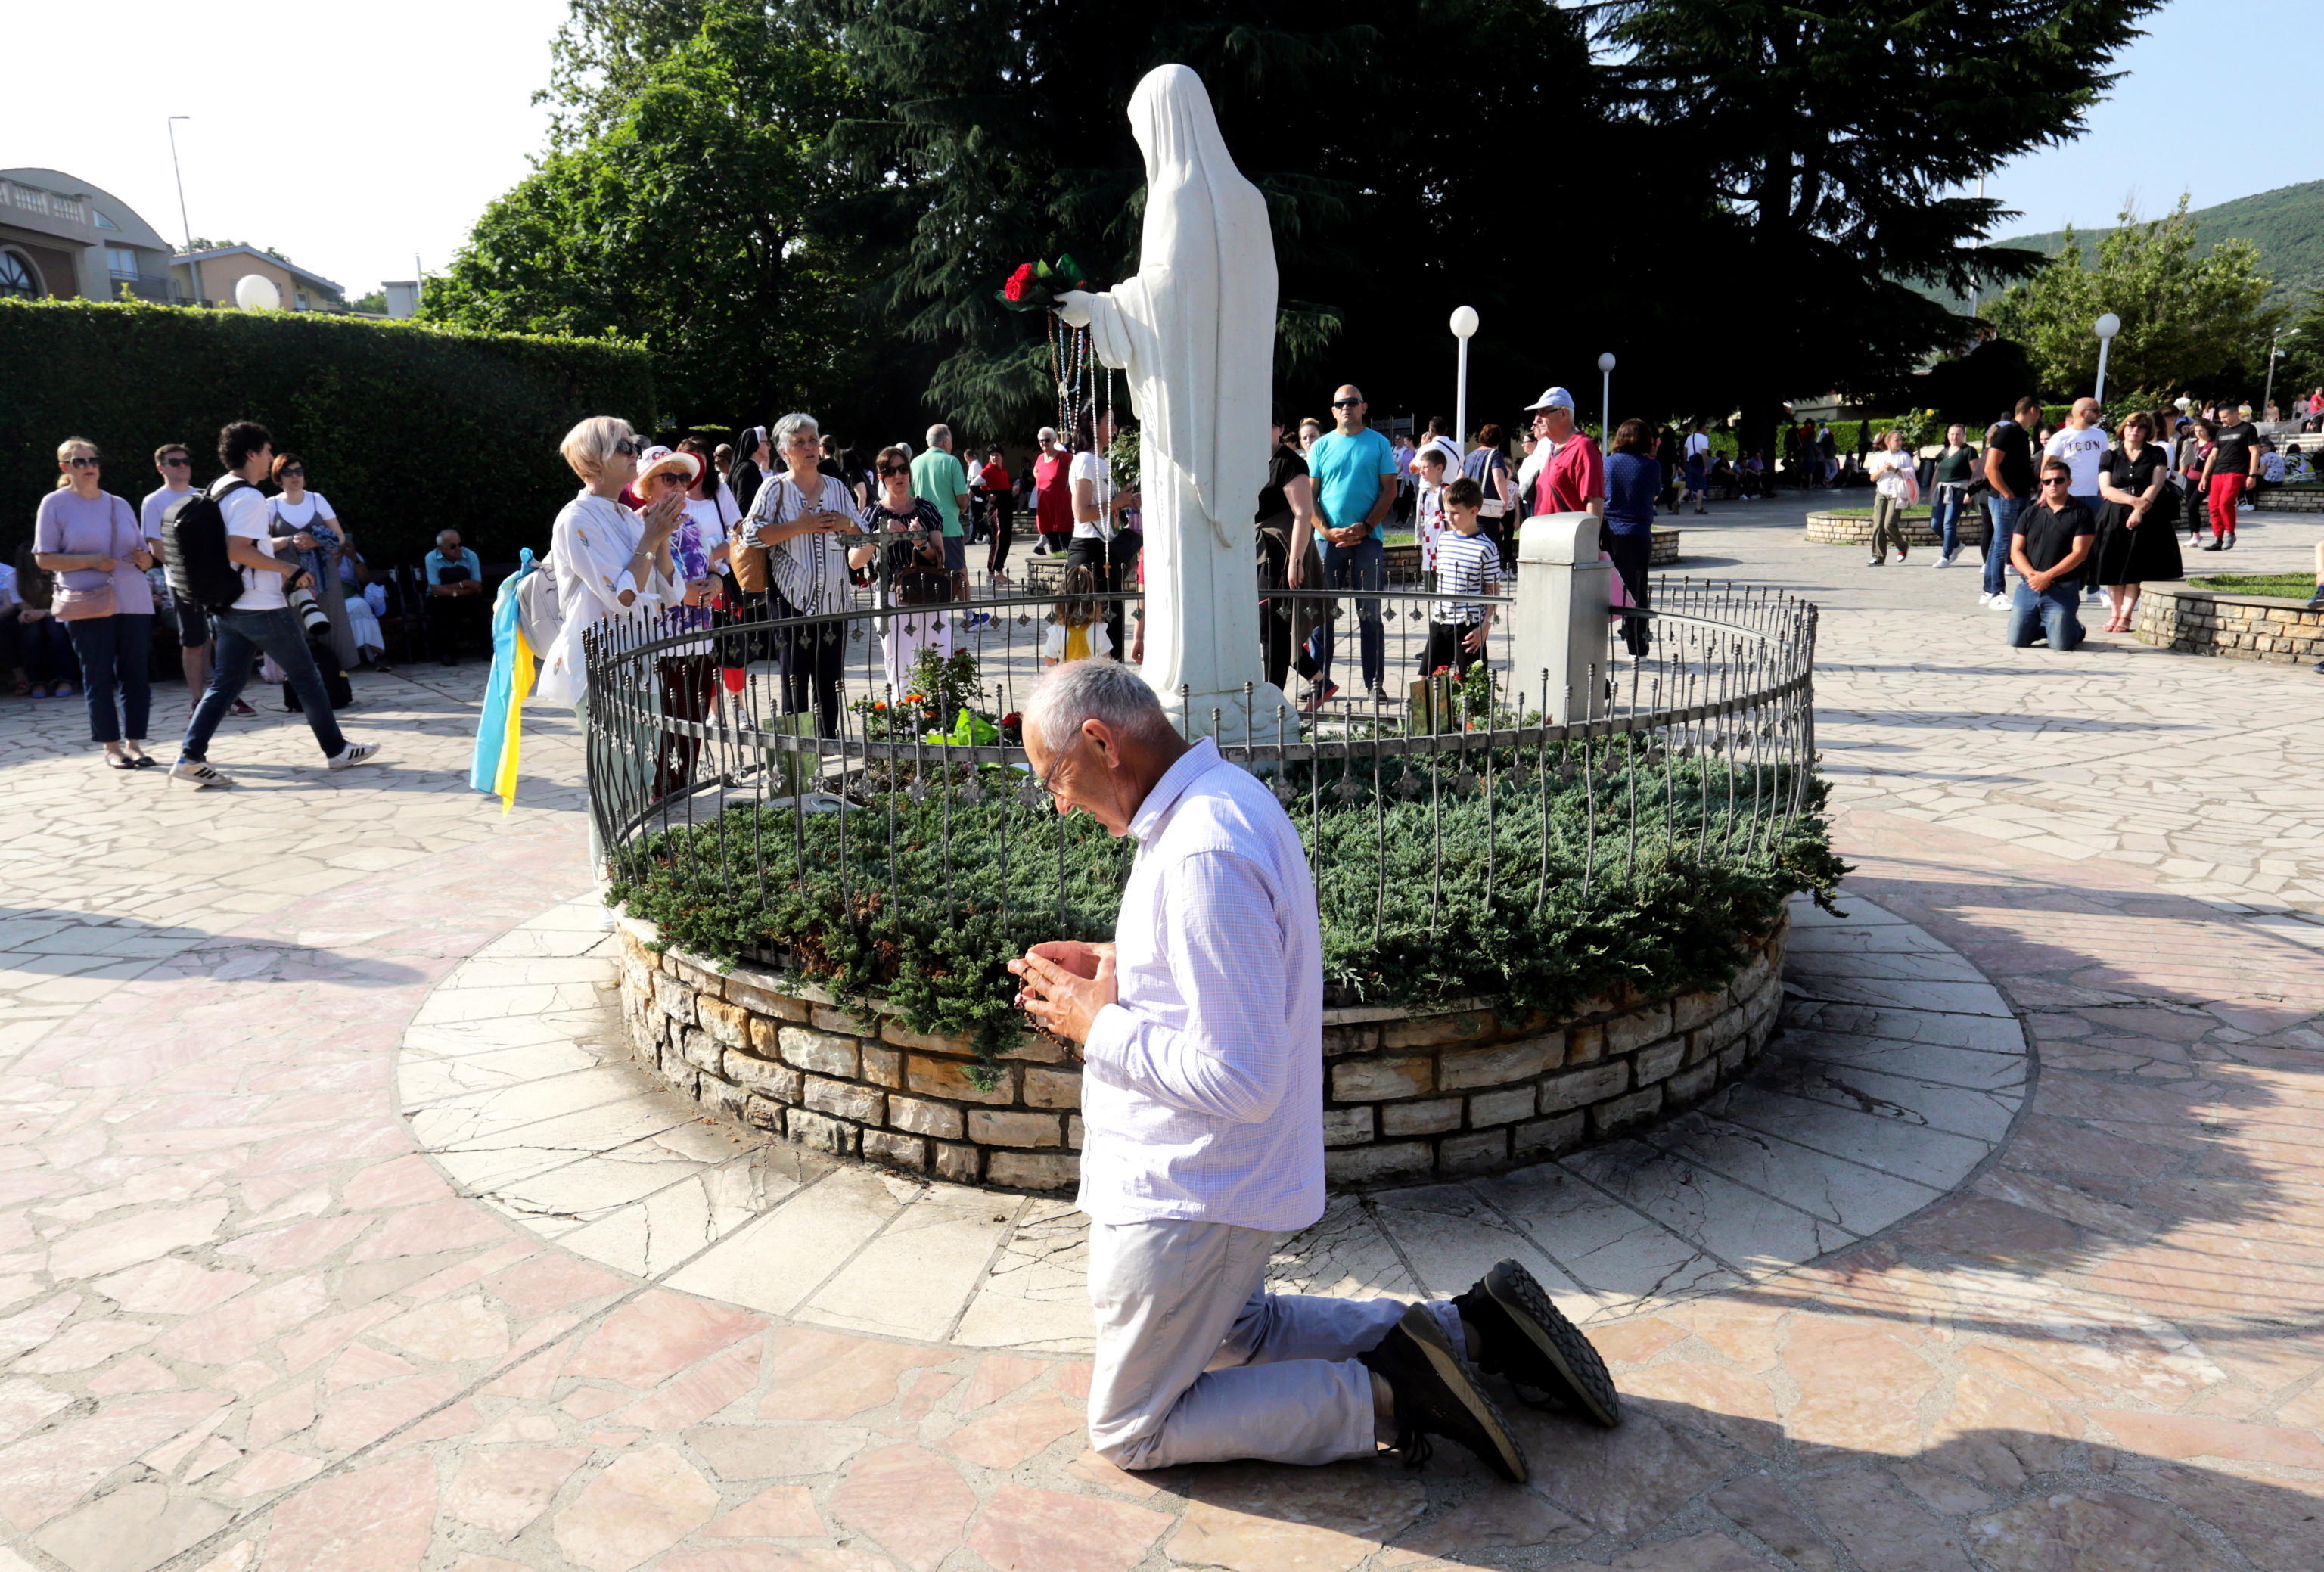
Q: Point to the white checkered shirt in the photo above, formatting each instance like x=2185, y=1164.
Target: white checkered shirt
x=1202, y=1097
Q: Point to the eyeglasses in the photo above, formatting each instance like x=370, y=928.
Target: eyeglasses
x=630, y=447
x=893, y=470
x=804, y=439
x=180, y=462
x=1346, y=403
x=83, y=463
x=295, y=469
x=2057, y=480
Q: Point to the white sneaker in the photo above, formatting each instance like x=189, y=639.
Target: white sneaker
x=1941, y=561
x=354, y=753
x=2001, y=602
x=199, y=775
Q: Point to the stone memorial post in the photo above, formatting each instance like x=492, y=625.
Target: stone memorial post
x=1558, y=623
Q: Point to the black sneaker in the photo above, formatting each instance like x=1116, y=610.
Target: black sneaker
x=1528, y=1339
x=1436, y=1394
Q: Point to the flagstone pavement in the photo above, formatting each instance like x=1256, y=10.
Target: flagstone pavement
x=246, y=1321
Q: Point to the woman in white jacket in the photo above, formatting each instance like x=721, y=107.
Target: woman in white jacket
x=611, y=564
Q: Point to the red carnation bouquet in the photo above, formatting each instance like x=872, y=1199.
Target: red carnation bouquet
x=1036, y=285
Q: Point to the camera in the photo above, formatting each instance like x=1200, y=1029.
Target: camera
x=313, y=620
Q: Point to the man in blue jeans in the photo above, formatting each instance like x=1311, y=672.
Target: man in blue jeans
x=260, y=620
x=1354, y=469
x=2054, y=537
x=2009, y=470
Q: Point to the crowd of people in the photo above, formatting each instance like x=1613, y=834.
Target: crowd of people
x=783, y=523
x=89, y=586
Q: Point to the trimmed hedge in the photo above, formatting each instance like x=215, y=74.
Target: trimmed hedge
x=408, y=428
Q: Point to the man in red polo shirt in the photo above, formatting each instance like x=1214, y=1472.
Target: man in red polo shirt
x=1569, y=474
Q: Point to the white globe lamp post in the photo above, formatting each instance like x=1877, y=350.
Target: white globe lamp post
x=1606, y=397
x=1464, y=328
x=2106, y=327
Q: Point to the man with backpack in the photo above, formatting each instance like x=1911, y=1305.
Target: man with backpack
x=222, y=559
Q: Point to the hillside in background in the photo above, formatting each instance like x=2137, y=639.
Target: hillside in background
x=2286, y=223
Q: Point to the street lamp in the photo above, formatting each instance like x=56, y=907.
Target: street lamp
x=1606, y=396
x=1464, y=328
x=2274, y=349
x=193, y=268
x=2106, y=327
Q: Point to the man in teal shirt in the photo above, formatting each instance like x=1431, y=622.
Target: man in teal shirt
x=1355, y=486
x=938, y=479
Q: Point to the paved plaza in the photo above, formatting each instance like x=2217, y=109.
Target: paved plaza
x=337, y=1233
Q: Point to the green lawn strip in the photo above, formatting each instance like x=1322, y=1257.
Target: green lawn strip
x=2296, y=585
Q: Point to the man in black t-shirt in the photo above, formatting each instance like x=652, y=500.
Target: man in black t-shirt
x=2009, y=471
x=2054, y=536
x=2229, y=475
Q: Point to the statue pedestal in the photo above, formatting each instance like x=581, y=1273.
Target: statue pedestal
x=1262, y=714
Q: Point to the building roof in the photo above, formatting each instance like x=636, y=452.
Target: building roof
x=120, y=222
x=309, y=275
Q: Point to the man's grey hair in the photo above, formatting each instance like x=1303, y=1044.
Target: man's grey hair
x=939, y=436
x=784, y=428
x=1098, y=688
x=1046, y=434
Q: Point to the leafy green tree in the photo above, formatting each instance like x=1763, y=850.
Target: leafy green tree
x=374, y=302
x=2200, y=321
x=2301, y=367
x=679, y=207
x=1822, y=138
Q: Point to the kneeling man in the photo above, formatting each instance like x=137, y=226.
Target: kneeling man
x=1201, y=1031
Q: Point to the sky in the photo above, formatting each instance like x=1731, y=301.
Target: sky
x=2191, y=115
x=348, y=137
x=354, y=138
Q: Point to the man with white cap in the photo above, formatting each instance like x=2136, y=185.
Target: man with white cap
x=1565, y=473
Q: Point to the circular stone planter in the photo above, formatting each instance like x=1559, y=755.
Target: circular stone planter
x=1408, y=1095
x=2241, y=627
x=1841, y=529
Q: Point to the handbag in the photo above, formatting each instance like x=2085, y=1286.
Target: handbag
x=74, y=606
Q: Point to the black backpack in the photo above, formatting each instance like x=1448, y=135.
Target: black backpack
x=193, y=549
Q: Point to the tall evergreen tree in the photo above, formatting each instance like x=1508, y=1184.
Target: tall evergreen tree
x=1391, y=141
x=1823, y=137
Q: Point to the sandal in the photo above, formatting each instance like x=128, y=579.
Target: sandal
x=118, y=761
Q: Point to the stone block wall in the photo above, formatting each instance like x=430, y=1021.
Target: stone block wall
x=1406, y=1096
x=2290, y=502
x=2241, y=627
x=1842, y=529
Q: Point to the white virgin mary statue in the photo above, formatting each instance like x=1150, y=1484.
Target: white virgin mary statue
x=1196, y=332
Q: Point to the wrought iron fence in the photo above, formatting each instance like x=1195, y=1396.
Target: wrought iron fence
x=822, y=773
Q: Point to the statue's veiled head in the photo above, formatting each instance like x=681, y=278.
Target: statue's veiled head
x=1171, y=117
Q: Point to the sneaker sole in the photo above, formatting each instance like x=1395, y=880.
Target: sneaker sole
x=1421, y=1325
x=1558, y=1340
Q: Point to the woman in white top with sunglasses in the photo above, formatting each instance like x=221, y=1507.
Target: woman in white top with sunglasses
x=611, y=564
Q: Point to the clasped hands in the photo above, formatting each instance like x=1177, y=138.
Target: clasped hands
x=1066, y=982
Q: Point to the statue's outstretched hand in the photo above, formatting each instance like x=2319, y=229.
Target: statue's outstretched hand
x=1074, y=306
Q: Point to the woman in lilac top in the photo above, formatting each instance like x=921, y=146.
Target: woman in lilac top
x=89, y=538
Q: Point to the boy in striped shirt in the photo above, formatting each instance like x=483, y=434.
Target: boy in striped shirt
x=1466, y=564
